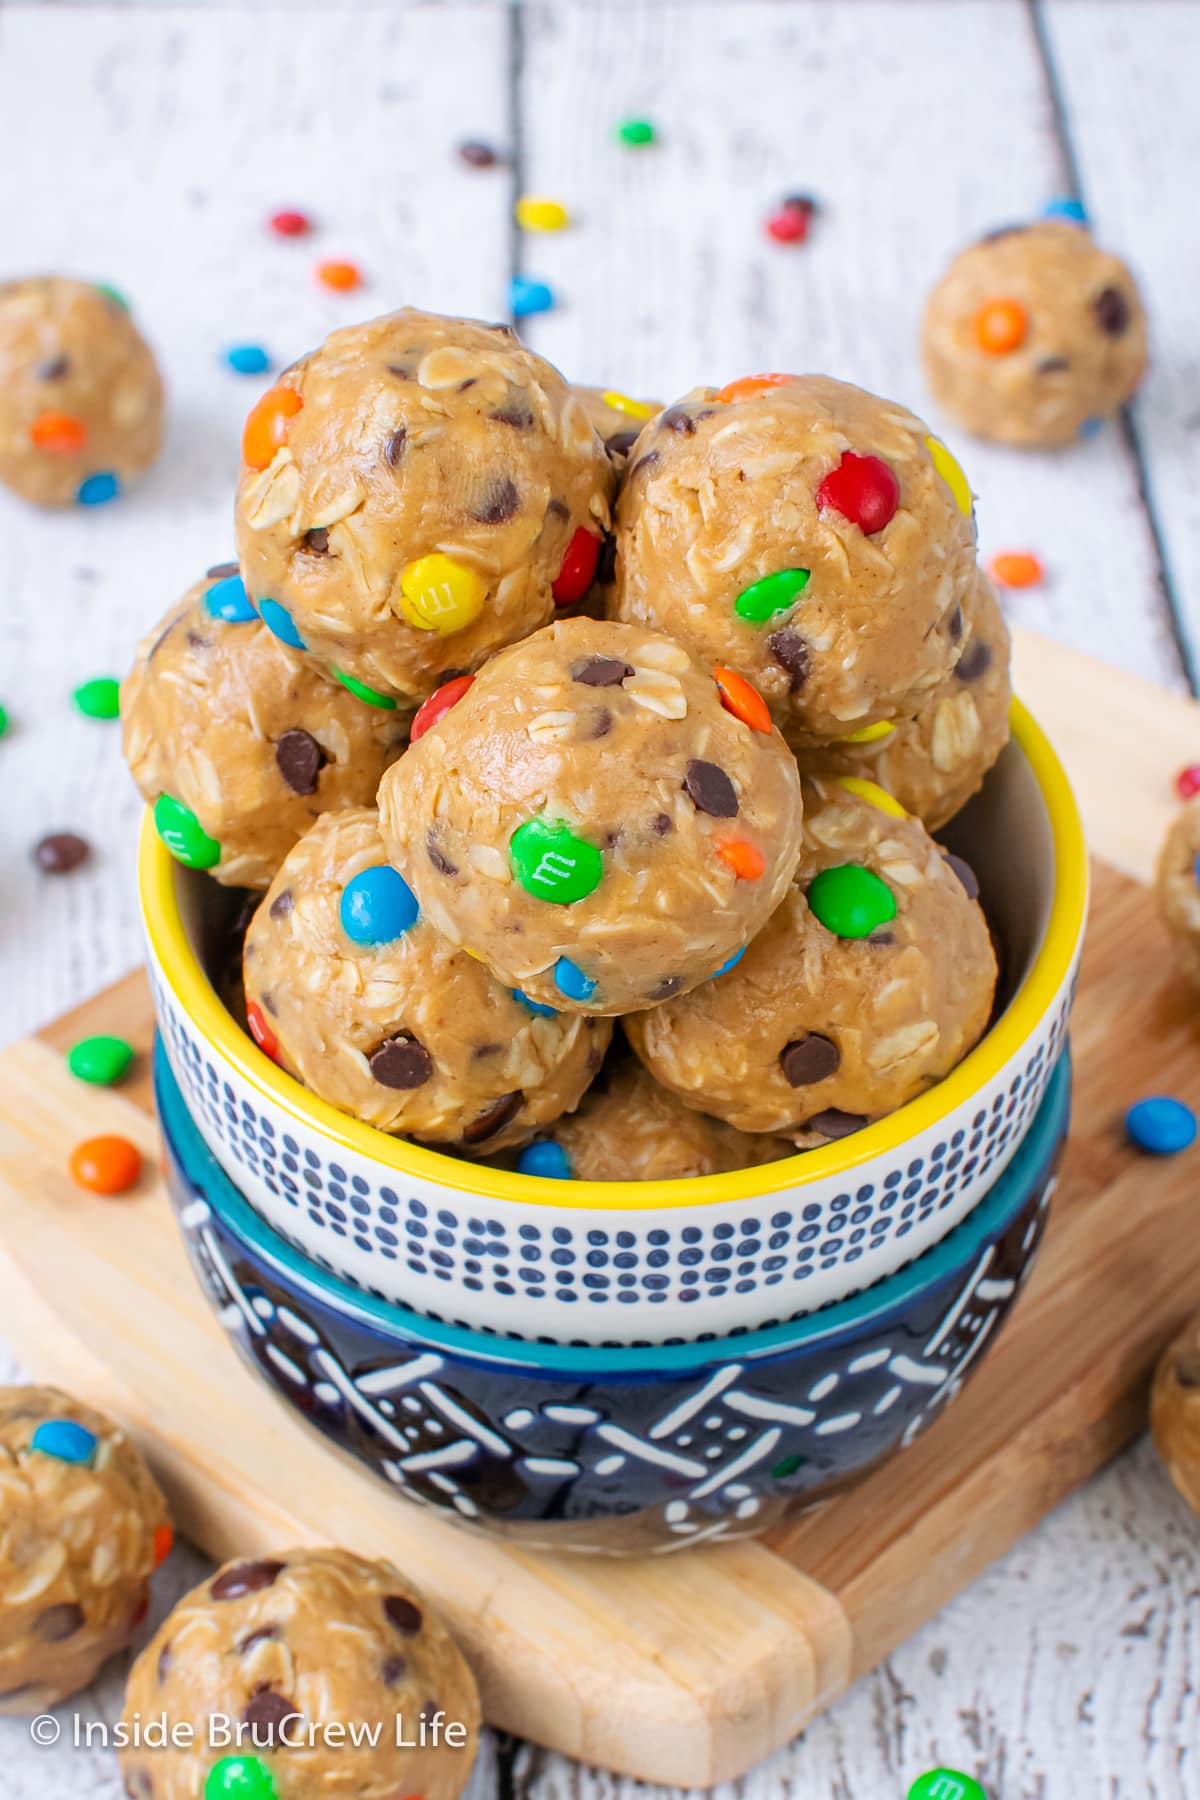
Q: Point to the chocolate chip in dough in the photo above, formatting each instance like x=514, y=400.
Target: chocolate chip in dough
x=498, y=503
x=792, y=653
x=223, y=571
x=600, y=671
x=965, y=873
x=165, y=1659
x=263, y=1635
x=1112, y=312
x=393, y=448
x=834, y=1123
x=809, y=1059
x=54, y=370
x=601, y=724
x=519, y=417
x=662, y=824
x=668, y=987
x=317, y=541
x=494, y=1118
x=643, y=463
x=956, y=625
x=282, y=904
x=438, y=857
x=678, y=418
x=266, y=1712
x=245, y=1578
x=1053, y=365
x=59, y=1622
x=401, y=1062
x=621, y=443
x=394, y=1670
x=711, y=790
x=300, y=759
x=403, y=1614
x=975, y=661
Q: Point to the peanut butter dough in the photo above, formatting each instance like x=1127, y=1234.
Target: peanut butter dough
x=82, y=1528
x=1033, y=335
x=820, y=1030
x=81, y=398
x=593, y=822
x=297, y=1655
x=246, y=733
x=935, y=762
x=411, y=499
x=628, y=1128
x=394, y=1024
x=808, y=535
x=1178, y=887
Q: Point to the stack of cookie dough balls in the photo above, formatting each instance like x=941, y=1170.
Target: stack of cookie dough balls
x=1034, y=335
x=81, y=398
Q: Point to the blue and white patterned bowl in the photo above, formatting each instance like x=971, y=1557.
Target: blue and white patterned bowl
x=605, y=1262
x=627, y=1450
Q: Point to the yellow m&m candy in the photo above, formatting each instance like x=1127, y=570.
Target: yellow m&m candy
x=870, y=734
x=950, y=470
x=439, y=594
x=535, y=213
x=634, y=409
x=873, y=794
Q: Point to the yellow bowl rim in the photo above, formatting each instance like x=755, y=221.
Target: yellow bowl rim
x=199, y=1001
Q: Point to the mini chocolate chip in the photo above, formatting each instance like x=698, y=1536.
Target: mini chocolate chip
x=492, y=1119
x=222, y=571
x=519, y=417
x=677, y=418
x=162, y=637
x=263, y=1635
x=164, y=1663
x=644, y=462
x=400, y=371
x=394, y=1671
x=792, y=653
x=59, y=1622
x=558, y=509
x=403, y=1614
x=54, y=370
x=809, y=1059
x=61, y=852
x=1000, y=231
x=955, y=627
x=393, y=448
x=601, y=723
x=429, y=1712
x=621, y=443
x=833, y=1123
x=1112, y=312
x=401, y=1062
x=477, y=155
x=667, y=987
x=601, y=671
x=300, y=759
x=266, y=1711
x=882, y=938
x=499, y=503
x=245, y=1578
x=468, y=383
x=487, y=1049
x=282, y=904
x=662, y=824
x=317, y=540
x=1053, y=365
x=975, y=661
x=268, y=1002
x=196, y=642
x=965, y=873
x=711, y=790
x=606, y=562
x=438, y=857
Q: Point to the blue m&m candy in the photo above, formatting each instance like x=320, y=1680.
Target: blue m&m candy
x=228, y=600
x=279, y=620
x=377, y=906
x=95, y=490
x=66, y=1441
x=570, y=980
x=526, y=297
x=547, y=1159
x=247, y=359
x=730, y=962
x=1161, y=1126
x=1066, y=207
x=534, y=1006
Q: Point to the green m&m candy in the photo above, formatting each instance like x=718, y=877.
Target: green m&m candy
x=100, y=1060
x=946, y=1784
x=773, y=594
x=99, y=698
x=552, y=863
x=368, y=695
x=851, y=901
x=240, y=1778
x=184, y=835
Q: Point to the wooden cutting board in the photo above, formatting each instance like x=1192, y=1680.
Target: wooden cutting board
x=681, y=1670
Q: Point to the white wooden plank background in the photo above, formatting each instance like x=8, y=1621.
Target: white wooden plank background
x=1072, y=1669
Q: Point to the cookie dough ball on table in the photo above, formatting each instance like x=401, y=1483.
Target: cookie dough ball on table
x=806, y=534
x=350, y=987
x=416, y=494
x=1034, y=335
x=628, y=1128
x=935, y=762
x=1178, y=887
x=237, y=741
x=867, y=986
x=81, y=398
x=82, y=1528
x=596, y=818
x=287, y=1648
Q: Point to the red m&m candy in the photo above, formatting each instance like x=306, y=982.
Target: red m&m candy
x=438, y=705
x=578, y=568
x=260, y=1031
x=863, y=489
x=1187, y=782
x=289, y=224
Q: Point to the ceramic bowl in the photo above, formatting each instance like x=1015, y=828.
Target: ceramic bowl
x=610, y=1262
x=628, y=1450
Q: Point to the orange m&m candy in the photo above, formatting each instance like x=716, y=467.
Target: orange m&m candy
x=164, y=1542
x=743, y=700
x=342, y=277
x=1000, y=326
x=748, y=385
x=106, y=1165
x=266, y=426
x=1016, y=568
x=59, y=433
x=744, y=859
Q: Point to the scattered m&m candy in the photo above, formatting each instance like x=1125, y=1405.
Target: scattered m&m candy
x=3, y=721
x=378, y=906
x=1068, y=208
x=790, y=222
x=873, y=794
x=164, y=1543
x=106, y=1165
x=864, y=489
x=851, y=901
x=240, y=1778
x=67, y=1441
x=547, y=1159
x=248, y=359
x=746, y=860
x=537, y=213
x=98, y=490
x=99, y=698
x=747, y=387
x=946, y=1784
x=1160, y=1125
x=731, y=962
x=950, y=470
x=553, y=863
x=526, y=297
x=535, y=1007
x=438, y=705
x=101, y=1060
x=1015, y=568
x=439, y=594
x=578, y=568
x=289, y=224
x=61, y=852
x=478, y=155
x=183, y=834
x=1187, y=782
x=340, y=277
x=635, y=132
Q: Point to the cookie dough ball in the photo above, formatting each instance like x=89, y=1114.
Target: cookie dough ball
x=416, y=494
x=82, y=1528
x=806, y=534
x=627, y=1128
x=617, y=419
x=1034, y=335
x=240, y=742
x=1178, y=887
x=593, y=822
x=1175, y=1412
x=290, y=1653
x=350, y=987
x=871, y=981
x=935, y=762
x=81, y=398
